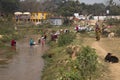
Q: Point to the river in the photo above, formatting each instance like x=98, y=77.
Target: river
x=27, y=64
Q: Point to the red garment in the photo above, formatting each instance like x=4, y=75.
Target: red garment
x=13, y=43
x=76, y=28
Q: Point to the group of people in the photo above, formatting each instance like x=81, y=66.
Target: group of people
x=103, y=30
x=87, y=28
x=54, y=36
x=41, y=40
x=97, y=30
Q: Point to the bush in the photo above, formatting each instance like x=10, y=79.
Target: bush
x=69, y=50
x=113, y=21
x=62, y=67
x=85, y=67
x=117, y=31
x=88, y=64
x=65, y=39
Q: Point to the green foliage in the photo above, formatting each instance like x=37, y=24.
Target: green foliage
x=8, y=32
x=65, y=39
x=88, y=64
x=8, y=38
x=69, y=50
x=95, y=9
x=62, y=67
x=69, y=8
x=114, y=7
x=117, y=31
x=9, y=6
x=113, y=21
x=69, y=73
x=85, y=67
x=115, y=10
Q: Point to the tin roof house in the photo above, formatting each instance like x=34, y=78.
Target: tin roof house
x=56, y=21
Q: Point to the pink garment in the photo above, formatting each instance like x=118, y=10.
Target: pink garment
x=109, y=26
x=42, y=41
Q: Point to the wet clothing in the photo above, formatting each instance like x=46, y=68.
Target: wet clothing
x=42, y=41
x=39, y=41
x=54, y=37
x=31, y=42
x=13, y=43
x=77, y=29
x=45, y=36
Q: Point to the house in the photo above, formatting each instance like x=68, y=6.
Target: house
x=38, y=16
x=18, y=16
x=57, y=21
x=34, y=17
x=26, y=16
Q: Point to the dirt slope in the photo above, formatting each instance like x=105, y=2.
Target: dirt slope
x=102, y=48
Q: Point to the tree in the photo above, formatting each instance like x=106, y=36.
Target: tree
x=113, y=7
x=69, y=8
x=49, y=6
x=30, y=5
x=8, y=6
x=95, y=9
x=99, y=9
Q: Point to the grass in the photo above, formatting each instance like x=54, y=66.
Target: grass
x=60, y=65
x=55, y=63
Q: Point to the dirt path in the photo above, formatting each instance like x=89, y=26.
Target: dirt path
x=114, y=68
x=26, y=65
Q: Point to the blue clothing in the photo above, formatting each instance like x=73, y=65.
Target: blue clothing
x=31, y=42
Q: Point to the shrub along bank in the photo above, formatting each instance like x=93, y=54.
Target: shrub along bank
x=69, y=60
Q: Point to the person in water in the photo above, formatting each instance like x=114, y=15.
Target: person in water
x=31, y=42
x=13, y=44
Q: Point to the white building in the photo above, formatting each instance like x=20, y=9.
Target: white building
x=56, y=21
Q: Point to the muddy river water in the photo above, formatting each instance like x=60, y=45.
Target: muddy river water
x=27, y=64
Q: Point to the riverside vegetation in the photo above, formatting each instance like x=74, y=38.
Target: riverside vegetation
x=8, y=33
x=68, y=59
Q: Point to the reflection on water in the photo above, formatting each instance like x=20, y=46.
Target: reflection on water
x=26, y=65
